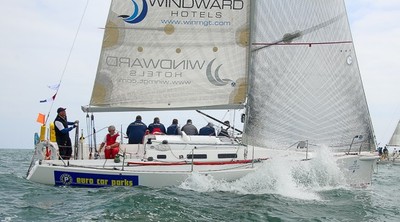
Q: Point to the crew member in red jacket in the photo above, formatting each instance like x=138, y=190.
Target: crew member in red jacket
x=111, y=143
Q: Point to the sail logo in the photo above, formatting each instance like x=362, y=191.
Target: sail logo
x=136, y=17
x=200, y=4
x=211, y=9
x=214, y=77
x=66, y=179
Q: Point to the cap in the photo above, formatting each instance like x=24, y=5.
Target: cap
x=60, y=109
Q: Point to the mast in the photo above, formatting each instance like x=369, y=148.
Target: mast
x=249, y=62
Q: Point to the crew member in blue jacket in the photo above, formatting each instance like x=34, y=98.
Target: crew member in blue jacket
x=207, y=130
x=136, y=131
x=174, y=129
x=62, y=133
x=156, y=127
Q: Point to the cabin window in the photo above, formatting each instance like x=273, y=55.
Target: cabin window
x=227, y=155
x=197, y=156
x=161, y=156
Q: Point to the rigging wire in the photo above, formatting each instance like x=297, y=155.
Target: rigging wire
x=89, y=137
x=94, y=136
x=68, y=58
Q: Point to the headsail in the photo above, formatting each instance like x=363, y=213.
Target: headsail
x=395, y=139
x=159, y=55
x=305, y=80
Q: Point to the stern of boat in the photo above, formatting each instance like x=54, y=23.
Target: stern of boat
x=44, y=150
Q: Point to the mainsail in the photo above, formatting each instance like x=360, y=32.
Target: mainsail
x=305, y=80
x=159, y=55
x=395, y=139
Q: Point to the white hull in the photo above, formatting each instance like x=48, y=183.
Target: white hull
x=357, y=168
x=153, y=165
x=138, y=169
x=151, y=176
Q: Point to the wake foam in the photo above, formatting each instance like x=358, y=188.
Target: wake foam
x=279, y=175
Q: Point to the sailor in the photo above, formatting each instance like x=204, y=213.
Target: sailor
x=385, y=153
x=156, y=127
x=208, y=130
x=224, y=131
x=189, y=128
x=111, y=143
x=174, y=129
x=394, y=152
x=62, y=133
x=136, y=131
x=380, y=152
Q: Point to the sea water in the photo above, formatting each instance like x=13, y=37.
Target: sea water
x=279, y=191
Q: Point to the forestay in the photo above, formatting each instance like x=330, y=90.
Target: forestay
x=159, y=55
x=305, y=82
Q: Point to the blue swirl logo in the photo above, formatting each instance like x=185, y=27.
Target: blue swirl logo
x=136, y=17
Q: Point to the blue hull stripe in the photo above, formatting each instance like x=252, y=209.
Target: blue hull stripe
x=63, y=178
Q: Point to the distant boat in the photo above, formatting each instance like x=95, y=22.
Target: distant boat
x=393, y=148
x=394, y=142
x=291, y=66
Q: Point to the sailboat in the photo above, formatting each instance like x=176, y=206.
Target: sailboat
x=393, y=148
x=290, y=66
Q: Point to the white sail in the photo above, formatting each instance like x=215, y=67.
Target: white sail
x=159, y=55
x=395, y=139
x=305, y=81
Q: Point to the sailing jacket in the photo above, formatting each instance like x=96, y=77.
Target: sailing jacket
x=156, y=128
x=190, y=129
x=207, y=131
x=135, y=132
x=173, y=130
x=62, y=136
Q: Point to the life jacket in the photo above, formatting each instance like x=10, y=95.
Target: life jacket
x=111, y=139
x=61, y=137
x=156, y=130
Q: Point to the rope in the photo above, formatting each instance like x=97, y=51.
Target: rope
x=68, y=58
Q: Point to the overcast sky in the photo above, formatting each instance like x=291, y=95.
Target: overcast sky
x=37, y=36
